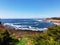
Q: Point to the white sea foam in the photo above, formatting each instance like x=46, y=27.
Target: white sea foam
x=24, y=27
x=39, y=20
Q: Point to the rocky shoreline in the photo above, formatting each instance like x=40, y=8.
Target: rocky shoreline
x=20, y=33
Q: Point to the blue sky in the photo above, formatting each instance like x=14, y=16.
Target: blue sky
x=29, y=8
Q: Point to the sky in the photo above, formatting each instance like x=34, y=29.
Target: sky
x=29, y=8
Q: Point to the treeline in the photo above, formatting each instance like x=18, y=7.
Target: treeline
x=55, y=18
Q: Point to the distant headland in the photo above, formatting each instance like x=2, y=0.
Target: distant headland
x=55, y=20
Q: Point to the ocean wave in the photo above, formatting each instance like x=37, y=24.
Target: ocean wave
x=25, y=27
x=27, y=24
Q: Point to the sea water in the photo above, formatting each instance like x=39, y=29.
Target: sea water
x=27, y=24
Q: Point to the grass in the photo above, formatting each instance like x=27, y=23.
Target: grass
x=23, y=41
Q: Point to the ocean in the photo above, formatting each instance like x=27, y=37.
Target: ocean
x=32, y=24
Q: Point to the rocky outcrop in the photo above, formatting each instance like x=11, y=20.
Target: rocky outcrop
x=53, y=19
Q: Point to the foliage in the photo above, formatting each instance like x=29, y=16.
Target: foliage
x=50, y=37
x=22, y=41
x=0, y=23
x=6, y=39
x=56, y=18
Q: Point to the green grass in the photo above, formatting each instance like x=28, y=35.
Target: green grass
x=23, y=41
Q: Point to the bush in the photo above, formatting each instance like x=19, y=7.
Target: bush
x=50, y=37
x=6, y=39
